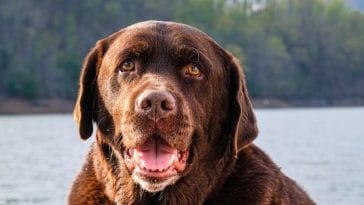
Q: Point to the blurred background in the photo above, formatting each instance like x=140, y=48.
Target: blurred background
x=295, y=53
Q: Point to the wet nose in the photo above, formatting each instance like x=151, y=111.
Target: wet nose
x=156, y=104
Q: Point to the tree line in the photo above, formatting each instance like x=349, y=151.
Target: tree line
x=290, y=49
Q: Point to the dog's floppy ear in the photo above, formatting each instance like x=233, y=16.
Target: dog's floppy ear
x=84, y=112
x=243, y=126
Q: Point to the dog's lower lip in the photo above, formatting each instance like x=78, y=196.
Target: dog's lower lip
x=160, y=174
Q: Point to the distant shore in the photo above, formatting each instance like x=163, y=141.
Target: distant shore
x=41, y=106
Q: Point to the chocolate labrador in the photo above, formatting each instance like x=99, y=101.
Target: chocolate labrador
x=174, y=124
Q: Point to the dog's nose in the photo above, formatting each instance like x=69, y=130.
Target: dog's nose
x=156, y=104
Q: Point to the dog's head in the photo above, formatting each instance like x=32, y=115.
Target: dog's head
x=165, y=98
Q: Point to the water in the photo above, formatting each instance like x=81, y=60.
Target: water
x=322, y=149
x=39, y=157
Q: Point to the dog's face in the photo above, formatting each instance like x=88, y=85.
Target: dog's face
x=165, y=98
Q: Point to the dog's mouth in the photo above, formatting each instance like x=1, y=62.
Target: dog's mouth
x=155, y=163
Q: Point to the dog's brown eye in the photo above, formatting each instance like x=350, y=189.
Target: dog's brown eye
x=193, y=70
x=128, y=65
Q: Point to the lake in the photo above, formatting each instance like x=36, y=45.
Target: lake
x=321, y=148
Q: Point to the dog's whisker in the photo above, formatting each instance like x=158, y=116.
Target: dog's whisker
x=111, y=151
x=161, y=195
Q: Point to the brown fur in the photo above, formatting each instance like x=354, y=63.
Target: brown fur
x=214, y=120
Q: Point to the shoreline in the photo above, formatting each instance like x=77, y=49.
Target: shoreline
x=18, y=106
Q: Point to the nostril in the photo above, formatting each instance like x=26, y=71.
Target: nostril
x=145, y=104
x=167, y=105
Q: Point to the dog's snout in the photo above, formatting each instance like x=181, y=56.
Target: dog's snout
x=155, y=104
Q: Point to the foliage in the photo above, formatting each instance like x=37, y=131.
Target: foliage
x=290, y=49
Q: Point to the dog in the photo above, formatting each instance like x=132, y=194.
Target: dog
x=174, y=124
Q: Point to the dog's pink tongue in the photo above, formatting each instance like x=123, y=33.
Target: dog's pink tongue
x=156, y=155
